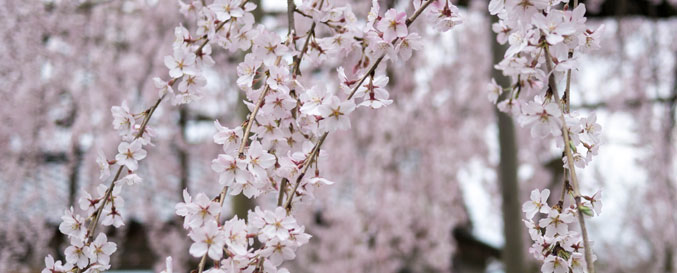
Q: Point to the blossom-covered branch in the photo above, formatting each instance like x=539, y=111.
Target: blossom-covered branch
x=286, y=117
x=185, y=64
x=289, y=111
x=543, y=40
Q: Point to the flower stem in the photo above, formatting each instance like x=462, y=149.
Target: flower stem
x=316, y=149
x=570, y=162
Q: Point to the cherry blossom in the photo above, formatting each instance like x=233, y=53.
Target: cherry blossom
x=555, y=264
x=129, y=154
x=335, y=114
x=312, y=99
x=97, y=268
x=52, y=266
x=225, y=9
x=554, y=26
x=259, y=160
x=278, y=250
x=88, y=203
x=100, y=249
x=131, y=179
x=182, y=62
x=393, y=25
x=595, y=201
x=538, y=203
x=277, y=224
x=202, y=211
x=495, y=91
x=162, y=86
x=556, y=223
x=72, y=225
x=77, y=253
x=104, y=166
x=231, y=169
x=229, y=138
x=247, y=70
x=123, y=119
x=544, y=119
x=208, y=239
x=112, y=216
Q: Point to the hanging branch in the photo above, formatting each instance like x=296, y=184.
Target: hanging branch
x=570, y=161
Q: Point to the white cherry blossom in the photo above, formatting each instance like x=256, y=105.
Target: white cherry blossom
x=100, y=249
x=129, y=154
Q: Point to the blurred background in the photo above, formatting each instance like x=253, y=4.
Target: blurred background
x=432, y=183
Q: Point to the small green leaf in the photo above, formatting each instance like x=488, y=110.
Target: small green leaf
x=563, y=254
x=586, y=210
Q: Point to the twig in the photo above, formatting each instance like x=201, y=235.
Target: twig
x=570, y=162
x=306, y=164
x=311, y=32
x=109, y=191
x=251, y=120
x=315, y=151
x=567, y=90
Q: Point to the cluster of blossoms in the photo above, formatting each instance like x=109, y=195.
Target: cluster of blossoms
x=560, y=249
x=290, y=118
x=544, y=43
x=230, y=244
x=86, y=253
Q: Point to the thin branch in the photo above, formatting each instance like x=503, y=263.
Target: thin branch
x=567, y=89
x=296, y=70
x=309, y=161
x=142, y=129
x=109, y=191
x=280, y=195
x=315, y=151
x=251, y=120
x=201, y=266
x=570, y=162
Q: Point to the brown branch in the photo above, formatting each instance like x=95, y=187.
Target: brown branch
x=306, y=164
x=570, y=162
x=315, y=151
x=567, y=89
x=250, y=121
x=296, y=70
x=142, y=129
x=149, y=113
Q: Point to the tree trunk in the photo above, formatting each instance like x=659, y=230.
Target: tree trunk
x=513, y=251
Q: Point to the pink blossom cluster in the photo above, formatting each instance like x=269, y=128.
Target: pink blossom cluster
x=85, y=252
x=291, y=115
x=231, y=244
x=560, y=249
x=187, y=63
x=544, y=44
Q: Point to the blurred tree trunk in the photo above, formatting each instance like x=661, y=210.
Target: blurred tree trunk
x=513, y=251
x=181, y=152
x=74, y=174
x=240, y=203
